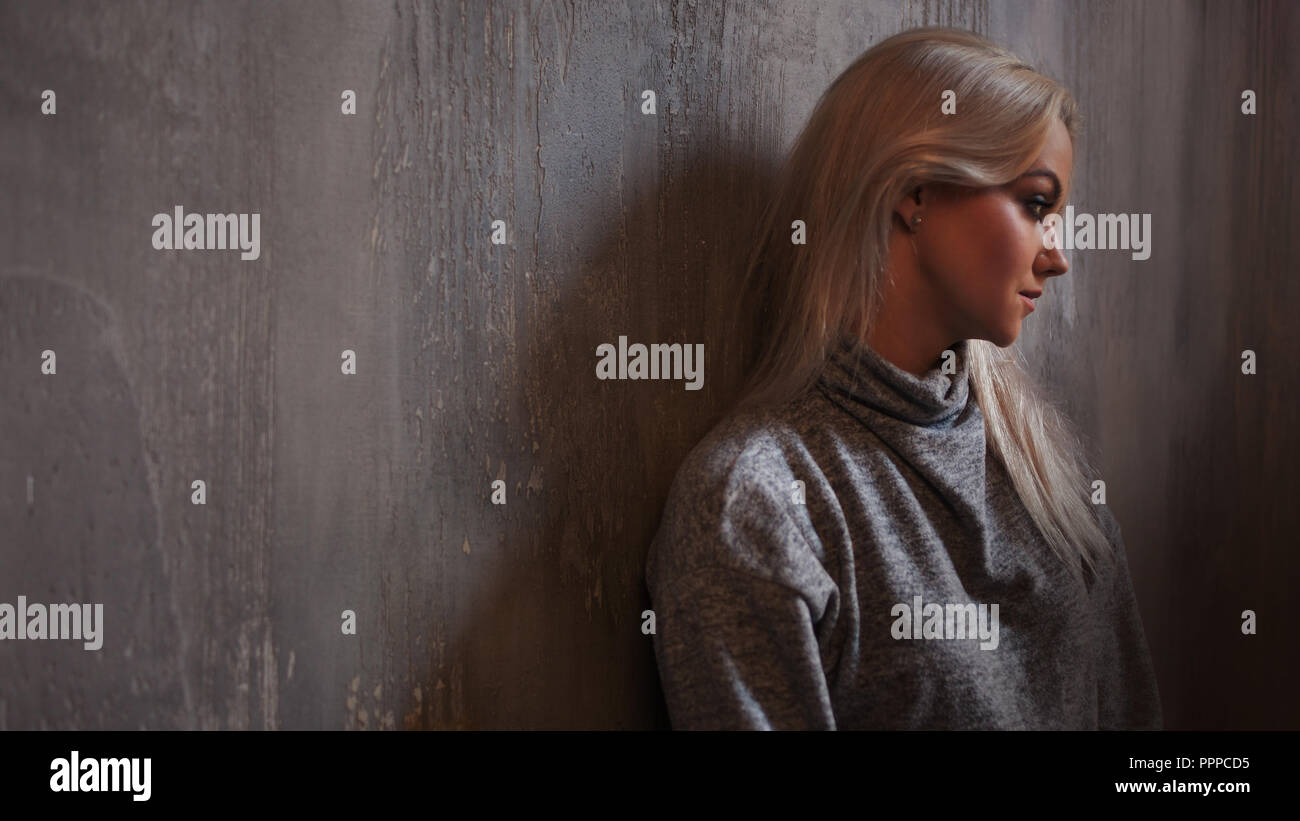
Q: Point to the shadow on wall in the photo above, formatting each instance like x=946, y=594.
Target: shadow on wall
x=557, y=641
x=553, y=639
x=79, y=521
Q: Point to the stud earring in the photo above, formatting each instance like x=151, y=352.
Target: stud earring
x=916, y=220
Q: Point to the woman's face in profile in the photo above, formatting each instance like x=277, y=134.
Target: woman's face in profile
x=979, y=248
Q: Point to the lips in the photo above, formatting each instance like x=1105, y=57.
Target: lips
x=1032, y=294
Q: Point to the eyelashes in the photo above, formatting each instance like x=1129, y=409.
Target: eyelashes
x=1038, y=207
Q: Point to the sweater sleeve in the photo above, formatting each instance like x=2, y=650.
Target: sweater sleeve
x=739, y=652
x=1128, y=697
x=740, y=594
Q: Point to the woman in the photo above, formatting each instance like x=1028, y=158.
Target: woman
x=892, y=530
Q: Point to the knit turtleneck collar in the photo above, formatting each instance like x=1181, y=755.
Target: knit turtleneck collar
x=861, y=380
x=930, y=424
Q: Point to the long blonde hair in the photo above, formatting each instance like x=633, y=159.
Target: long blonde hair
x=875, y=134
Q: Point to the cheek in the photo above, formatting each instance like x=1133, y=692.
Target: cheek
x=1004, y=246
x=988, y=249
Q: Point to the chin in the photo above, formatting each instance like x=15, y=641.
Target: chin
x=1004, y=338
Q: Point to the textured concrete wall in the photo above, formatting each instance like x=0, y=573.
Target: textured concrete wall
x=475, y=361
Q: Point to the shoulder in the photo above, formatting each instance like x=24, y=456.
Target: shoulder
x=732, y=502
x=1115, y=568
x=749, y=451
x=1110, y=526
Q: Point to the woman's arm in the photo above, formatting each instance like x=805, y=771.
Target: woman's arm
x=738, y=652
x=739, y=593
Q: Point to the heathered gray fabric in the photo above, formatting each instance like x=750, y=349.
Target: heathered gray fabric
x=774, y=614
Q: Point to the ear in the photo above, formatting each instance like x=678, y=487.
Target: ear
x=909, y=204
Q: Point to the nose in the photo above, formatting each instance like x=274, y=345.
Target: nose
x=1051, y=262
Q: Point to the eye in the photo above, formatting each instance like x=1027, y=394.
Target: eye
x=1038, y=206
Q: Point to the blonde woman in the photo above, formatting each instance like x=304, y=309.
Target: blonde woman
x=892, y=530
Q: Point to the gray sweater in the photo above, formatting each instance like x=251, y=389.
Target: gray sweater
x=904, y=587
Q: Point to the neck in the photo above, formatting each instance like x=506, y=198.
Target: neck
x=908, y=339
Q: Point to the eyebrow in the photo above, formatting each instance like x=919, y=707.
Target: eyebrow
x=1043, y=172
